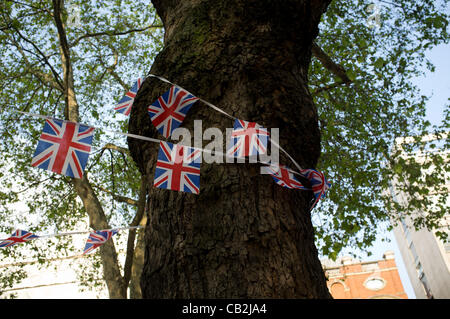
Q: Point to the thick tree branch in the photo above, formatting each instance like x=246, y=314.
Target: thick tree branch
x=114, y=147
x=44, y=78
x=84, y=190
x=112, y=33
x=330, y=65
x=121, y=199
x=71, y=111
x=43, y=57
x=132, y=233
x=328, y=87
x=111, y=68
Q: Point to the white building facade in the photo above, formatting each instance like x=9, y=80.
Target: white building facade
x=426, y=256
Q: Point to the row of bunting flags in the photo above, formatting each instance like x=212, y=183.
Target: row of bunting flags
x=95, y=239
x=64, y=146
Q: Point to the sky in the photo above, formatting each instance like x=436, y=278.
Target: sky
x=437, y=85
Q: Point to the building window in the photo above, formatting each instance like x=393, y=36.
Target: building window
x=374, y=283
x=404, y=226
x=447, y=247
x=426, y=286
x=337, y=289
x=406, y=231
x=414, y=253
x=419, y=269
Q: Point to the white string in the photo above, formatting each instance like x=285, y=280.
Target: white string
x=232, y=117
x=154, y=140
x=149, y=139
x=45, y=117
x=290, y=157
x=206, y=102
x=81, y=232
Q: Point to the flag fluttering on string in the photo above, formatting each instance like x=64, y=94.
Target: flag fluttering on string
x=125, y=103
x=247, y=139
x=319, y=183
x=19, y=236
x=284, y=177
x=98, y=238
x=169, y=110
x=63, y=147
x=178, y=168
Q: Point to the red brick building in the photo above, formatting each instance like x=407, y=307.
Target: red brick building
x=352, y=279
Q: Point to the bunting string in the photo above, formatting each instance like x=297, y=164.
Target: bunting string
x=79, y=232
x=46, y=117
x=200, y=99
x=155, y=140
x=64, y=146
x=178, y=100
x=228, y=115
x=96, y=238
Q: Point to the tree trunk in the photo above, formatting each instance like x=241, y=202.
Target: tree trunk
x=117, y=289
x=138, y=264
x=243, y=236
x=97, y=218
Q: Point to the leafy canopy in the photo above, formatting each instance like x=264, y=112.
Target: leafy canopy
x=382, y=46
x=111, y=44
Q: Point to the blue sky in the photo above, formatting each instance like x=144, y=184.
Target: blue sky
x=436, y=84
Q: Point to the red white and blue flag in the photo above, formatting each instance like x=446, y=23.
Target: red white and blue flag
x=19, y=236
x=284, y=177
x=63, y=147
x=98, y=238
x=318, y=182
x=247, y=139
x=168, y=111
x=178, y=168
x=125, y=103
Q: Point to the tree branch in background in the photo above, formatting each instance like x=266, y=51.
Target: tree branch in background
x=43, y=56
x=121, y=199
x=64, y=45
x=331, y=66
x=44, y=78
x=114, y=147
x=111, y=68
x=328, y=87
x=109, y=146
x=112, y=33
x=132, y=233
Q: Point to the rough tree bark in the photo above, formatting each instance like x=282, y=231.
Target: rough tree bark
x=243, y=236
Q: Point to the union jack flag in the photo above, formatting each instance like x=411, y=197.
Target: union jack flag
x=169, y=110
x=19, y=236
x=63, y=147
x=125, y=104
x=98, y=238
x=318, y=182
x=284, y=177
x=178, y=168
x=247, y=139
